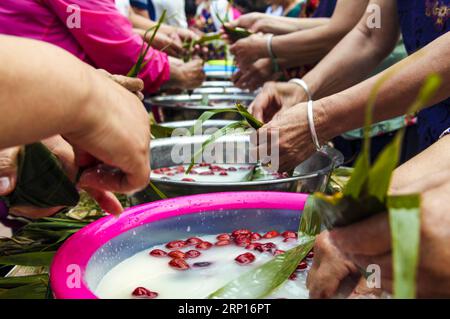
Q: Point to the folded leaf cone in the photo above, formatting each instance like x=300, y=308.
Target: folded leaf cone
x=41, y=180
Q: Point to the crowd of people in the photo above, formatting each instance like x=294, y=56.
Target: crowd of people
x=63, y=81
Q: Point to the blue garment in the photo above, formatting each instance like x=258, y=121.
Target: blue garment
x=325, y=9
x=145, y=4
x=423, y=21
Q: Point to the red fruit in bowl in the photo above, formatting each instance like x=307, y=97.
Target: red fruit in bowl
x=180, y=169
x=144, y=292
x=245, y=259
x=204, y=245
x=158, y=253
x=242, y=240
x=192, y=254
x=239, y=232
x=293, y=276
x=223, y=173
x=302, y=266
x=157, y=171
x=193, y=241
x=289, y=234
x=177, y=254
x=188, y=179
x=223, y=243
x=252, y=246
x=203, y=164
x=223, y=237
x=271, y=234
x=310, y=255
x=255, y=236
x=176, y=244
x=179, y=264
x=278, y=252
x=232, y=169
x=207, y=173
x=266, y=247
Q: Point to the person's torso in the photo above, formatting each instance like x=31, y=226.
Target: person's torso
x=35, y=20
x=422, y=22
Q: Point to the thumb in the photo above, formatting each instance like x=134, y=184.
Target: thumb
x=8, y=170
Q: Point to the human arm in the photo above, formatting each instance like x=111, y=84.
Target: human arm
x=302, y=47
x=102, y=121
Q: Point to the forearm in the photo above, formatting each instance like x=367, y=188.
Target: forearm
x=41, y=90
x=311, y=45
x=284, y=25
x=140, y=22
x=397, y=93
x=426, y=170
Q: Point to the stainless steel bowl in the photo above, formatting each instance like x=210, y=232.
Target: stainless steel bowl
x=173, y=108
x=219, y=87
x=310, y=176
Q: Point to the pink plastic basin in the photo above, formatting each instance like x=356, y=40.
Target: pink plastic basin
x=88, y=255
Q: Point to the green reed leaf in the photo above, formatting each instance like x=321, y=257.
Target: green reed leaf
x=41, y=180
x=32, y=291
x=159, y=131
x=404, y=220
x=262, y=281
x=256, y=124
x=218, y=134
x=13, y=282
x=28, y=259
x=157, y=191
x=140, y=63
x=207, y=116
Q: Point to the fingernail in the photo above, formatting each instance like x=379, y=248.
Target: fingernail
x=5, y=184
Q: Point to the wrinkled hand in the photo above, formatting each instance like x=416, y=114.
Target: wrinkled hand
x=192, y=74
x=134, y=85
x=329, y=268
x=111, y=139
x=274, y=98
x=254, y=77
x=294, y=138
x=64, y=152
x=170, y=44
x=368, y=242
x=247, y=51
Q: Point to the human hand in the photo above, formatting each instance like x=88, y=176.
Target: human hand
x=134, y=85
x=254, y=77
x=64, y=152
x=247, y=51
x=276, y=97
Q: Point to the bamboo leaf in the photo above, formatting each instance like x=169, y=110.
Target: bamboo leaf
x=218, y=134
x=159, y=131
x=256, y=124
x=136, y=69
x=404, y=220
x=262, y=281
x=41, y=180
x=28, y=259
x=12, y=282
x=157, y=191
x=207, y=116
x=32, y=291
x=310, y=222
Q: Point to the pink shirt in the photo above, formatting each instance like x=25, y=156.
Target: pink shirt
x=104, y=38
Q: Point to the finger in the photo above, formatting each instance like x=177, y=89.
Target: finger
x=370, y=237
x=131, y=84
x=65, y=154
x=362, y=290
x=112, y=179
x=325, y=282
x=8, y=170
x=106, y=200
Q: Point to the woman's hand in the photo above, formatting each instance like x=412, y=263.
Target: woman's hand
x=254, y=77
x=294, y=143
x=134, y=85
x=276, y=97
x=247, y=51
x=186, y=76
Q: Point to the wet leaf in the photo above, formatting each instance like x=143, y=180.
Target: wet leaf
x=28, y=259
